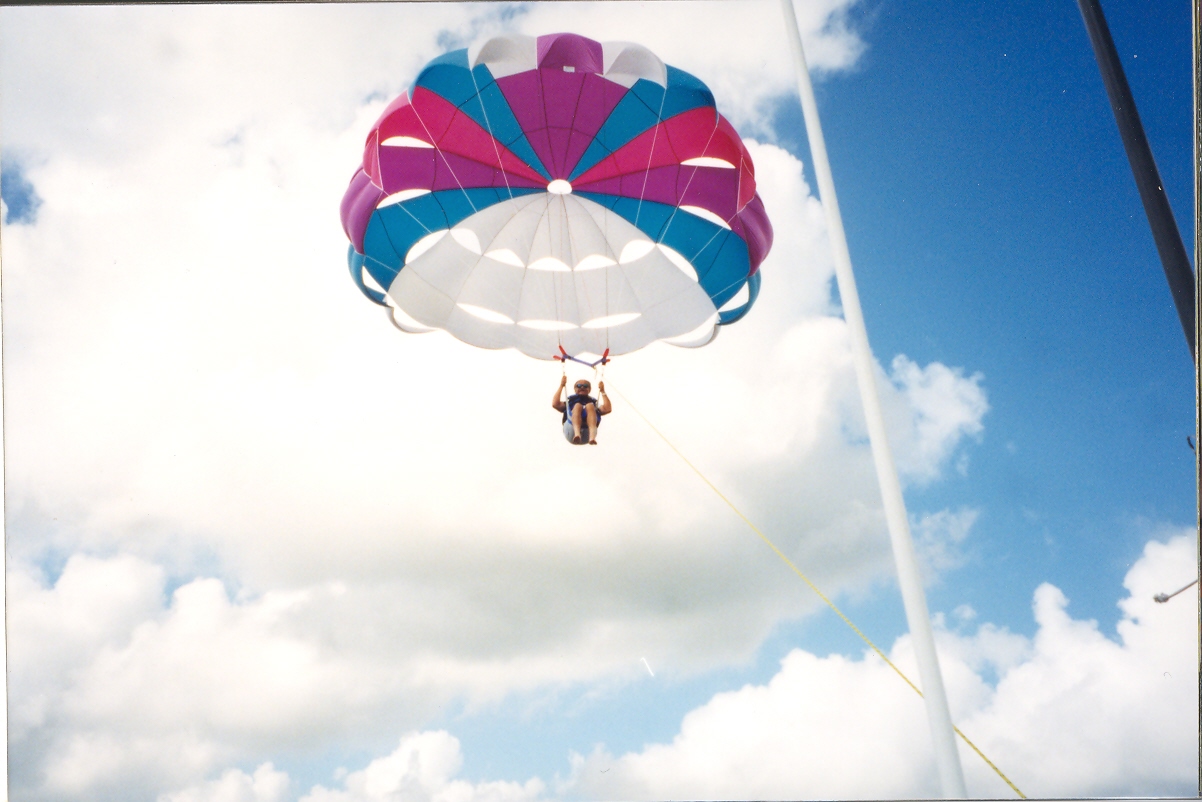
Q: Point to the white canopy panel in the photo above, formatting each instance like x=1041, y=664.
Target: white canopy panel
x=550, y=269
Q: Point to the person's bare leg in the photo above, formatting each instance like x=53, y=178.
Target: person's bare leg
x=576, y=423
x=592, y=424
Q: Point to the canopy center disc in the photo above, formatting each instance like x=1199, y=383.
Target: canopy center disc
x=559, y=187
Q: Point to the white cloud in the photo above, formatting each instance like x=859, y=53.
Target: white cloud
x=943, y=408
x=117, y=83
x=422, y=769
x=939, y=538
x=194, y=385
x=1088, y=715
x=739, y=49
x=103, y=672
x=1073, y=714
x=193, y=379
x=95, y=605
x=208, y=76
x=264, y=785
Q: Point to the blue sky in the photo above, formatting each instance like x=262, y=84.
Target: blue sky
x=236, y=517
x=1003, y=189
x=19, y=197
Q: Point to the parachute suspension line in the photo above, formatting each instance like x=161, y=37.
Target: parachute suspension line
x=713, y=237
x=659, y=115
x=599, y=370
x=554, y=277
x=491, y=135
x=415, y=218
x=810, y=583
x=573, y=256
x=606, y=311
x=676, y=209
x=442, y=156
x=684, y=191
x=558, y=316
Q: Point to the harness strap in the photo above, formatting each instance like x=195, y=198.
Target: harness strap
x=563, y=357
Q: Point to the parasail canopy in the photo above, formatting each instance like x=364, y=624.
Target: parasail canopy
x=538, y=193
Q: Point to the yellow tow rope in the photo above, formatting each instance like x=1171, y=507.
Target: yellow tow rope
x=813, y=587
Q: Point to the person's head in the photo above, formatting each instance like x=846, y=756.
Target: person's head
x=582, y=387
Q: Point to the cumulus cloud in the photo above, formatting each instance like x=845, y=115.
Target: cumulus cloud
x=1091, y=715
x=265, y=784
x=104, y=669
x=263, y=493
x=745, y=58
x=422, y=769
x=201, y=78
x=192, y=379
x=939, y=539
x=943, y=408
x=1074, y=713
x=1069, y=712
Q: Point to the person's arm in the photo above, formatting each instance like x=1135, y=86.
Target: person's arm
x=557, y=401
x=605, y=408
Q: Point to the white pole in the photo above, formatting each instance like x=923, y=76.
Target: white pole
x=947, y=758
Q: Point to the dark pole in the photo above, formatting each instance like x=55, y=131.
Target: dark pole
x=1197, y=13
x=1143, y=167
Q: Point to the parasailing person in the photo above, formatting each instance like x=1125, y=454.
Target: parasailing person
x=581, y=414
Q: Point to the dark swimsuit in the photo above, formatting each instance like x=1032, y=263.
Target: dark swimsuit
x=573, y=400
